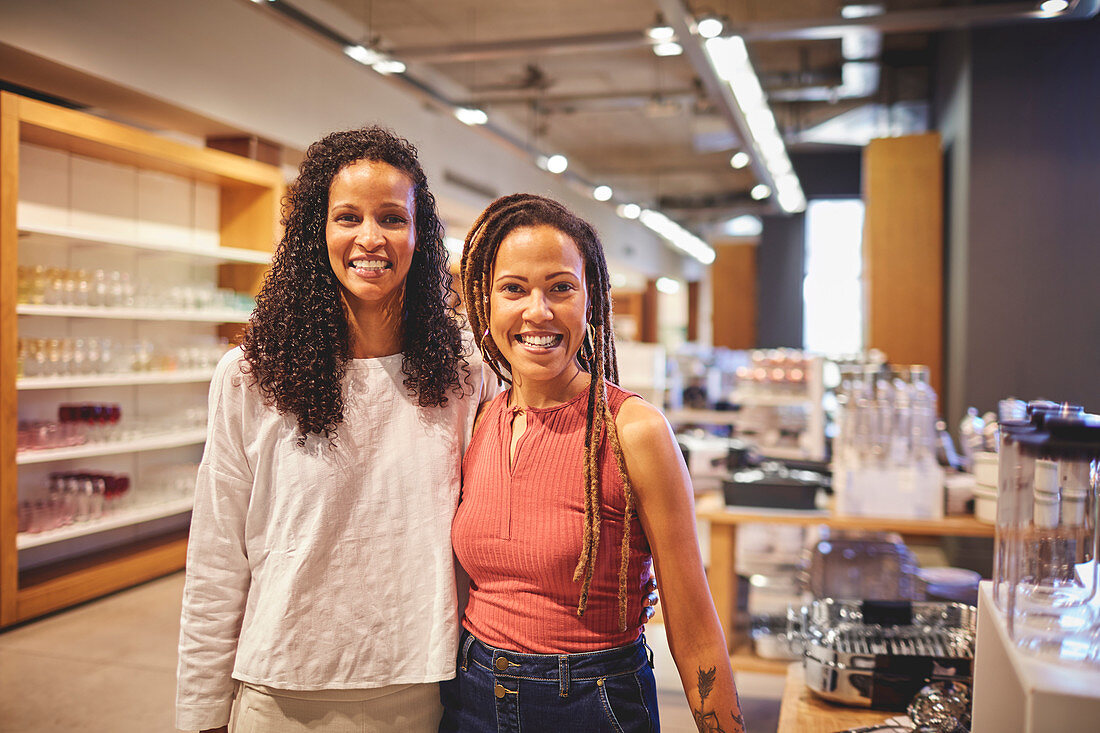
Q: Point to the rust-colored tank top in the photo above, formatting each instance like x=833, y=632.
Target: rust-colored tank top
x=518, y=533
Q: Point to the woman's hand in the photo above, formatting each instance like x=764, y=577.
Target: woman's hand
x=649, y=601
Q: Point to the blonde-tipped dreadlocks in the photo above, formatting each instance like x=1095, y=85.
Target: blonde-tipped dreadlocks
x=597, y=355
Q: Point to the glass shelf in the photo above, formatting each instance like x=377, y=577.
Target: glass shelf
x=134, y=314
x=39, y=235
x=180, y=376
x=116, y=520
x=190, y=436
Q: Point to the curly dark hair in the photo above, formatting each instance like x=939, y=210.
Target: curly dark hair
x=299, y=341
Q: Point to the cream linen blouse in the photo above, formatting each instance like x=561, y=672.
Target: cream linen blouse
x=310, y=568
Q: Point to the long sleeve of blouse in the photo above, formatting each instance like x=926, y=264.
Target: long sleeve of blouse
x=218, y=574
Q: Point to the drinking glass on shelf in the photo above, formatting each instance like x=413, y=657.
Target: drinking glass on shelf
x=22, y=357
x=114, y=416
x=66, y=357
x=108, y=357
x=53, y=358
x=37, y=290
x=26, y=509
x=23, y=288
x=99, y=292
x=115, y=291
x=81, y=288
x=69, y=285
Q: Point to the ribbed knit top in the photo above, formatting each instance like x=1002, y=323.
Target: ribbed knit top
x=519, y=530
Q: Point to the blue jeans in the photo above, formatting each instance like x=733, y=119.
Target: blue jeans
x=499, y=691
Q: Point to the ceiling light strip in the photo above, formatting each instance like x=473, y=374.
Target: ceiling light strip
x=677, y=236
x=730, y=59
x=788, y=194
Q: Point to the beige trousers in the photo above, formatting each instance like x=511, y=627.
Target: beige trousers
x=393, y=709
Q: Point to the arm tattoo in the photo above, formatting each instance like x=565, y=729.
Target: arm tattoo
x=707, y=721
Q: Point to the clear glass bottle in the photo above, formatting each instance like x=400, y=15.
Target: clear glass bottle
x=1053, y=578
x=1015, y=474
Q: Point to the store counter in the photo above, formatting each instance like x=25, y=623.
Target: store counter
x=722, y=573
x=801, y=711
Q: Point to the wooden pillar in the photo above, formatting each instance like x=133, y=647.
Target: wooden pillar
x=733, y=293
x=648, y=330
x=627, y=314
x=694, y=294
x=903, y=250
x=9, y=334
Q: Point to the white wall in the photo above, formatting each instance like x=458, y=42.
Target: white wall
x=239, y=63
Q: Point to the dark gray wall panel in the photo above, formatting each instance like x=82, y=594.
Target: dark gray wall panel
x=780, y=268
x=1033, y=260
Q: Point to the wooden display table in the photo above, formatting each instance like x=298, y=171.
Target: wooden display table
x=722, y=575
x=801, y=711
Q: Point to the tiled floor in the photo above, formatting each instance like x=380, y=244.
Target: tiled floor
x=110, y=666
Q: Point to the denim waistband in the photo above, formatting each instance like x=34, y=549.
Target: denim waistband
x=560, y=668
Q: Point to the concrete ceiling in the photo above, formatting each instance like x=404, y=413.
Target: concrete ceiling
x=578, y=77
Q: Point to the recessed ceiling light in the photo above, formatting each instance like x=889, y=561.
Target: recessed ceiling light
x=364, y=55
x=760, y=191
x=471, y=116
x=740, y=159
x=629, y=211
x=668, y=48
x=660, y=30
x=557, y=163
x=862, y=11
x=668, y=285
x=745, y=225
x=710, y=26
x=602, y=193
x=1053, y=6
x=387, y=66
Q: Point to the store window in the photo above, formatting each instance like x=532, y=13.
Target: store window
x=832, y=291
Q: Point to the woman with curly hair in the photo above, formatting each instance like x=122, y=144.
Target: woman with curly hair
x=320, y=585
x=571, y=488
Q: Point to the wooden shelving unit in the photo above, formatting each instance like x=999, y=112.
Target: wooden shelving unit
x=248, y=196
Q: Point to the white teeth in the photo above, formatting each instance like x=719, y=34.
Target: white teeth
x=371, y=265
x=540, y=340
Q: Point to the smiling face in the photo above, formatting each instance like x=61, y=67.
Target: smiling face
x=538, y=304
x=370, y=232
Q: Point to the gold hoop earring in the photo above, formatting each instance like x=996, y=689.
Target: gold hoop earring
x=589, y=344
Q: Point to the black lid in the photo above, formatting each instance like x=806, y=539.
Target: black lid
x=1040, y=410
x=1084, y=428
x=1073, y=437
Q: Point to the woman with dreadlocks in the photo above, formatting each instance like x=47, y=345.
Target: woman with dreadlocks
x=320, y=587
x=571, y=488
